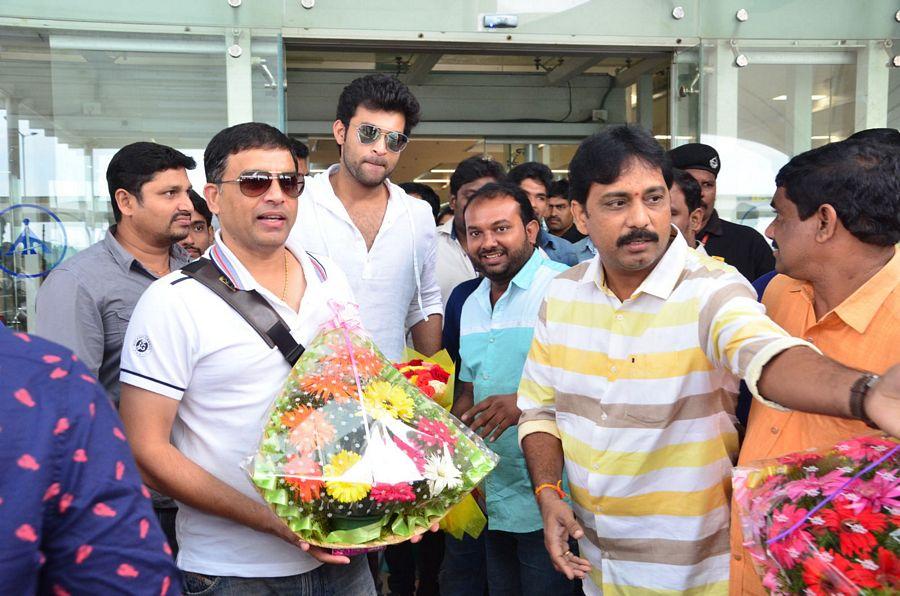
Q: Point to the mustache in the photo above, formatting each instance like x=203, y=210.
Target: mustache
x=638, y=236
x=181, y=214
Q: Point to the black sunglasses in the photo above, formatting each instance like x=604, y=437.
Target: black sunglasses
x=256, y=183
x=393, y=140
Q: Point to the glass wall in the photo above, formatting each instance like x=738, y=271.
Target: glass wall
x=70, y=99
x=761, y=106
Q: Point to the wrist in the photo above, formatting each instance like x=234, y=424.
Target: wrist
x=860, y=391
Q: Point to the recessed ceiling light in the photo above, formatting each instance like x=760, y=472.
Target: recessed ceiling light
x=780, y=98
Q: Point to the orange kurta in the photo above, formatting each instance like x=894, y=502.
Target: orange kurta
x=862, y=332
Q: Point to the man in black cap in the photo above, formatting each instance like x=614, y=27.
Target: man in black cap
x=740, y=246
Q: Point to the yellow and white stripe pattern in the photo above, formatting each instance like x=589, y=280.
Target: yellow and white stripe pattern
x=642, y=393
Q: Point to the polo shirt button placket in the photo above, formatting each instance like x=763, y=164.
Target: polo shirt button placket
x=774, y=430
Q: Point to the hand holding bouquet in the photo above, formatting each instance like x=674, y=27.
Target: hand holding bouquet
x=353, y=455
x=825, y=522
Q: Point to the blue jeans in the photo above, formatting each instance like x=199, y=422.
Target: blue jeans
x=327, y=580
x=463, y=570
x=519, y=564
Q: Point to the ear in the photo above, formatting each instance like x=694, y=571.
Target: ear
x=579, y=212
x=126, y=201
x=211, y=193
x=696, y=219
x=531, y=231
x=339, y=131
x=826, y=222
x=453, y=202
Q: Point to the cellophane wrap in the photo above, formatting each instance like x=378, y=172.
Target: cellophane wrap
x=824, y=521
x=353, y=455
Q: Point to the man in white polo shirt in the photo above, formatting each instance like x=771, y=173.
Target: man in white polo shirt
x=382, y=238
x=194, y=370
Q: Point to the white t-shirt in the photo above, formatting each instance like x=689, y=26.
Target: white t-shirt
x=186, y=343
x=453, y=264
x=392, y=297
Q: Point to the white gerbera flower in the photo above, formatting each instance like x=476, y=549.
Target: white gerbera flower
x=441, y=473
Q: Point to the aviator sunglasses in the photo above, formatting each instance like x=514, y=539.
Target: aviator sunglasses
x=393, y=140
x=257, y=183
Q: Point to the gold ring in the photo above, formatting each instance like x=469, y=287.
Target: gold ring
x=566, y=554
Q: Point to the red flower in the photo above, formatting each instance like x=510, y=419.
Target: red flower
x=402, y=492
x=854, y=529
x=302, y=474
x=825, y=574
x=883, y=573
x=799, y=459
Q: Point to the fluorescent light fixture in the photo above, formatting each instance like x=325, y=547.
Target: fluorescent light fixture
x=812, y=97
x=820, y=138
x=431, y=180
x=441, y=171
x=560, y=171
x=663, y=137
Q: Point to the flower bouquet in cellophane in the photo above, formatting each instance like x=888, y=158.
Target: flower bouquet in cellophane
x=824, y=522
x=354, y=456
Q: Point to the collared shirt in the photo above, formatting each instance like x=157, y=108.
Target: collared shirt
x=641, y=394
x=558, y=249
x=494, y=342
x=74, y=516
x=861, y=332
x=584, y=249
x=85, y=304
x=225, y=377
x=395, y=280
x=740, y=246
x=453, y=264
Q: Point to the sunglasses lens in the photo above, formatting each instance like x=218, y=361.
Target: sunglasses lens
x=396, y=141
x=368, y=133
x=254, y=185
x=291, y=184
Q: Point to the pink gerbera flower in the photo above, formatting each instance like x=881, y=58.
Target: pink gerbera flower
x=401, y=493
x=413, y=453
x=788, y=550
x=865, y=448
x=433, y=433
x=813, y=486
x=882, y=491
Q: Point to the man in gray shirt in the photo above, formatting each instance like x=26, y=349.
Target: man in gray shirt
x=85, y=303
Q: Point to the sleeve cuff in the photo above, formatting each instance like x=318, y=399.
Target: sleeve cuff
x=415, y=316
x=148, y=383
x=537, y=426
x=755, y=368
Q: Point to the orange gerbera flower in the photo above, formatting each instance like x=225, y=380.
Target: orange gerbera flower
x=329, y=383
x=293, y=418
x=303, y=476
x=367, y=362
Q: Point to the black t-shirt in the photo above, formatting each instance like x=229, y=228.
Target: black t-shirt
x=740, y=246
x=572, y=234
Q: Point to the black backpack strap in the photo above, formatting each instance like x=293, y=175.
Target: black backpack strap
x=252, y=307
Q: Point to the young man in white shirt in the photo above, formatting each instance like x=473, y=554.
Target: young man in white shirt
x=382, y=238
x=194, y=370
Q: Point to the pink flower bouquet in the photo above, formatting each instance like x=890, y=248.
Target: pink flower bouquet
x=353, y=455
x=825, y=522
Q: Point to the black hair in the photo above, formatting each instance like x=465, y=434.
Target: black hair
x=601, y=157
x=301, y=151
x=534, y=170
x=473, y=168
x=858, y=178
x=495, y=190
x=690, y=188
x=136, y=164
x=888, y=136
x=560, y=188
x=378, y=92
x=200, y=206
x=237, y=138
x=427, y=194
x=445, y=210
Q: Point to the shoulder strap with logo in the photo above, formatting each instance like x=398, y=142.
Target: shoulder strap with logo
x=250, y=304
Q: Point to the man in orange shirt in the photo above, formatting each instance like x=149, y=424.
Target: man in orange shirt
x=837, y=223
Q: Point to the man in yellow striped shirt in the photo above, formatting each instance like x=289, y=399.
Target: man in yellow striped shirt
x=631, y=382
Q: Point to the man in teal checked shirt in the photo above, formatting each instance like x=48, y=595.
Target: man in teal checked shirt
x=496, y=327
